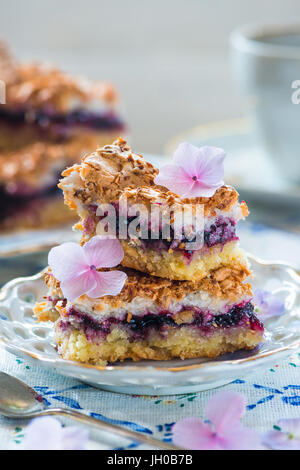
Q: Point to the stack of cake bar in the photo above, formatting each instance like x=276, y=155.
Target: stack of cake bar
x=49, y=120
x=176, y=302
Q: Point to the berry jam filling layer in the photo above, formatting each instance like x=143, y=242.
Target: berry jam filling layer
x=43, y=119
x=223, y=230
x=139, y=327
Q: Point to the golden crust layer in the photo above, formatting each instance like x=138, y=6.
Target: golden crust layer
x=225, y=283
x=114, y=171
x=173, y=264
x=108, y=171
x=183, y=343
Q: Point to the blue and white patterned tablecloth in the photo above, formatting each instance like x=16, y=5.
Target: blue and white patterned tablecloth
x=272, y=394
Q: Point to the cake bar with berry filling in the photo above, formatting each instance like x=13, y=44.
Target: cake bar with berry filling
x=155, y=318
x=113, y=174
x=49, y=120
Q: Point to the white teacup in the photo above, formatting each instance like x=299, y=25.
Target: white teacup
x=266, y=62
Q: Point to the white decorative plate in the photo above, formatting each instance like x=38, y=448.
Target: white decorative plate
x=20, y=334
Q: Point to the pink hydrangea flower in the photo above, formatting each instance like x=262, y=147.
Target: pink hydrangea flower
x=223, y=431
x=195, y=172
x=286, y=437
x=76, y=267
x=268, y=304
x=46, y=433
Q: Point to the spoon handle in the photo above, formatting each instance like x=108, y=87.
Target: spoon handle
x=126, y=433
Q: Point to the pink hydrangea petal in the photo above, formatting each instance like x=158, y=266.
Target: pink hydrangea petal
x=274, y=308
x=193, y=433
x=76, y=287
x=207, y=163
x=270, y=305
x=175, y=179
x=46, y=433
x=75, y=438
x=103, y=252
x=291, y=426
x=241, y=438
x=43, y=434
x=258, y=297
x=67, y=261
x=200, y=190
x=196, y=172
x=278, y=440
x=224, y=410
x=107, y=283
x=186, y=155
x=210, y=165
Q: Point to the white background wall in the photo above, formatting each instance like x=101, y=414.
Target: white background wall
x=169, y=58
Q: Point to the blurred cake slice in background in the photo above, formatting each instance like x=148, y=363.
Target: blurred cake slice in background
x=49, y=121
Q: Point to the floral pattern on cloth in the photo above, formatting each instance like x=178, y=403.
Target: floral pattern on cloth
x=272, y=395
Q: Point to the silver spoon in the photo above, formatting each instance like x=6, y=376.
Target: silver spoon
x=17, y=400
